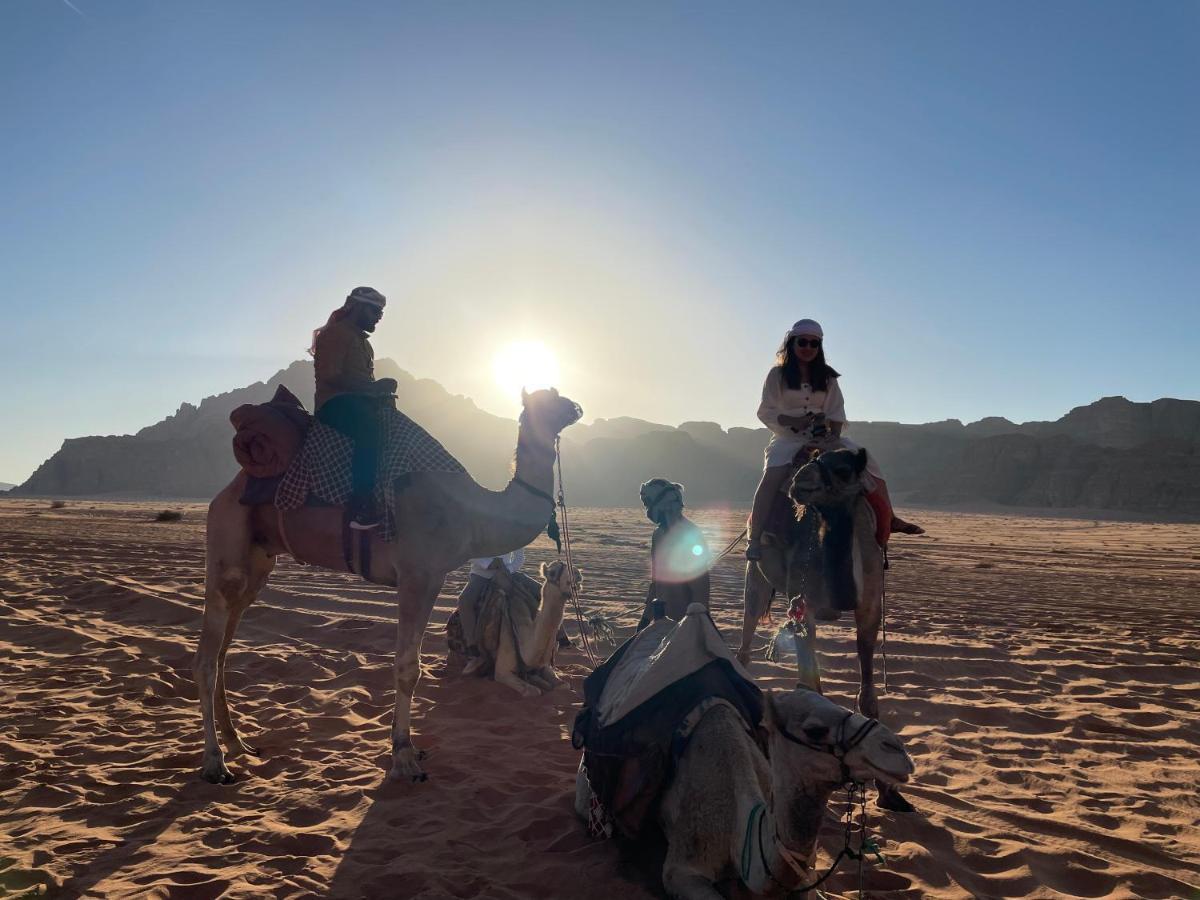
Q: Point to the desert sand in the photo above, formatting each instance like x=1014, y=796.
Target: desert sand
x=1045, y=674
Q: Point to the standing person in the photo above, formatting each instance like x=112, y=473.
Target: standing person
x=348, y=397
x=679, y=555
x=802, y=404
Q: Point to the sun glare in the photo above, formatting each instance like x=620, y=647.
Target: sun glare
x=525, y=364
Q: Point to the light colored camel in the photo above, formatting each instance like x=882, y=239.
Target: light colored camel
x=517, y=636
x=442, y=520
x=833, y=560
x=730, y=812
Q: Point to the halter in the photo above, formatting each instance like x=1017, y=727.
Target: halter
x=841, y=746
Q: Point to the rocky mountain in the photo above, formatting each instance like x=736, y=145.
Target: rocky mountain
x=5, y=486
x=1113, y=454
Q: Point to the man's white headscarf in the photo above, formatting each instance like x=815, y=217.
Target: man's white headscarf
x=367, y=295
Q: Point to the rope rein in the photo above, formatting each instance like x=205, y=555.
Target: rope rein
x=566, y=543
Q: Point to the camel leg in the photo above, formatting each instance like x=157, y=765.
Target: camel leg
x=261, y=566
x=867, y=619
x=506, y=665
x=227, y=552
x=418, y=592
x=756, y=595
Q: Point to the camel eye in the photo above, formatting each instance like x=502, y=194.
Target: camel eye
x=816, y=733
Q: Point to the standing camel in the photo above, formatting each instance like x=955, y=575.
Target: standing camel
x=442, y=520
x=829, y=556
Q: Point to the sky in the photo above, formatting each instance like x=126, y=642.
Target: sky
x=993, y=209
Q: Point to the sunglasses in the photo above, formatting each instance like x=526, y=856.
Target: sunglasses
x=815, y=343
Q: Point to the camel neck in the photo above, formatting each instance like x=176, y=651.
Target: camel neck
x=793, y=834
x=535, y=463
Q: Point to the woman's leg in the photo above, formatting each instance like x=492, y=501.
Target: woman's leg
x=764, y=497
x=896, y=525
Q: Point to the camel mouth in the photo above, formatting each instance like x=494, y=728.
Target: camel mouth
x=890, y=778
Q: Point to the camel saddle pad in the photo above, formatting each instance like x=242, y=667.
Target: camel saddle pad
x=642, y=705
x=322, y=467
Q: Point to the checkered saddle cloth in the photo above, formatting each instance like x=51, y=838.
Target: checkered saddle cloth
x=322, y=467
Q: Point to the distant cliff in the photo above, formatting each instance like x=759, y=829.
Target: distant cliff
x=1109, y=455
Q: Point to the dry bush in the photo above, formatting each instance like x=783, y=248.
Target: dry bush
x=169, y=515
x=57, y=504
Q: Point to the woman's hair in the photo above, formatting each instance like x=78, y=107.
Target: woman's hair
x=819, y=371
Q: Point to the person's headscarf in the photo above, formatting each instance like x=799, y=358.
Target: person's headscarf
x=657, y=493
x=367, y=295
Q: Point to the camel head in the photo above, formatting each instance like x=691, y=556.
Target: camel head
x=546, y=413
x=829, y=479
x=558, y=577
x=811, y=738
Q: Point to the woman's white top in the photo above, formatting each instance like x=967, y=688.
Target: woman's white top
x=512, y=561
x=780, y=400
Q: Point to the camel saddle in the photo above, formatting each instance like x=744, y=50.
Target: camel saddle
x=641, y=707
x=267, y=436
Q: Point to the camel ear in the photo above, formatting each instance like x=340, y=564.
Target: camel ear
x=524, y=397
x=860, y=461
x=554, y=391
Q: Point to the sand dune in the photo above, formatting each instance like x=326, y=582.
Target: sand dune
x=1043, y=672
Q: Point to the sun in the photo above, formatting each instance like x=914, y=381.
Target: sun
x=527, y=365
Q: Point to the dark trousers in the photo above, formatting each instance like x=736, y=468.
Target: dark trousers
x=358, y=417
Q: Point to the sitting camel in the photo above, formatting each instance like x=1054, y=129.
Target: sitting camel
x=442, y=519
x=516, y=637
x=731, y=812
x=828, y=554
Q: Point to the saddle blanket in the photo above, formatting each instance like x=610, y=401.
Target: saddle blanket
x=322, y=467
x=640, y=708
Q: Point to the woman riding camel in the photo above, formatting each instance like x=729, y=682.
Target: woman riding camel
x=802, y=405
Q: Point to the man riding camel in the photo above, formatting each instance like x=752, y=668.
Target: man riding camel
x=349, y=397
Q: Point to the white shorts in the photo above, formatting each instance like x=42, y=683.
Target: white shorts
x=782, y=450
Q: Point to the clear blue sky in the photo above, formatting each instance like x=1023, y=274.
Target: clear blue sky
x=994, y=209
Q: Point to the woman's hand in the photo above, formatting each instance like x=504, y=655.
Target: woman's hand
x=797, y=423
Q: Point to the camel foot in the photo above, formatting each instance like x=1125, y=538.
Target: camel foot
x=891, y=799
x=216, y=772
x=405, y=765
x=900, y=526
x=743, y=657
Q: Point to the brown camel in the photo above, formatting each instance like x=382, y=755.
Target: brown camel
x=830, y=558
x=442, y=520
x=732, y=813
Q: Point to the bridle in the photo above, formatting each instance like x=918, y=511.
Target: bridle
x=841, y=746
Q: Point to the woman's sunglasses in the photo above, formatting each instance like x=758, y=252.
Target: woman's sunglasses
x=815, y=343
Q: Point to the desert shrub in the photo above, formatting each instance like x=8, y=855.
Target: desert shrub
x=57, y=504
x=169, y=515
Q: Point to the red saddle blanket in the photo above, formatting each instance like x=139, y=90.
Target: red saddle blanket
x=269, y=435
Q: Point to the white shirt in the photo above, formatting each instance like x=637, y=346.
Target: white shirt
x=779, y=400
x=512, y=562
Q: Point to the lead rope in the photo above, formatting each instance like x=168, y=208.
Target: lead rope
x=883, y=610
x=566, y=540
